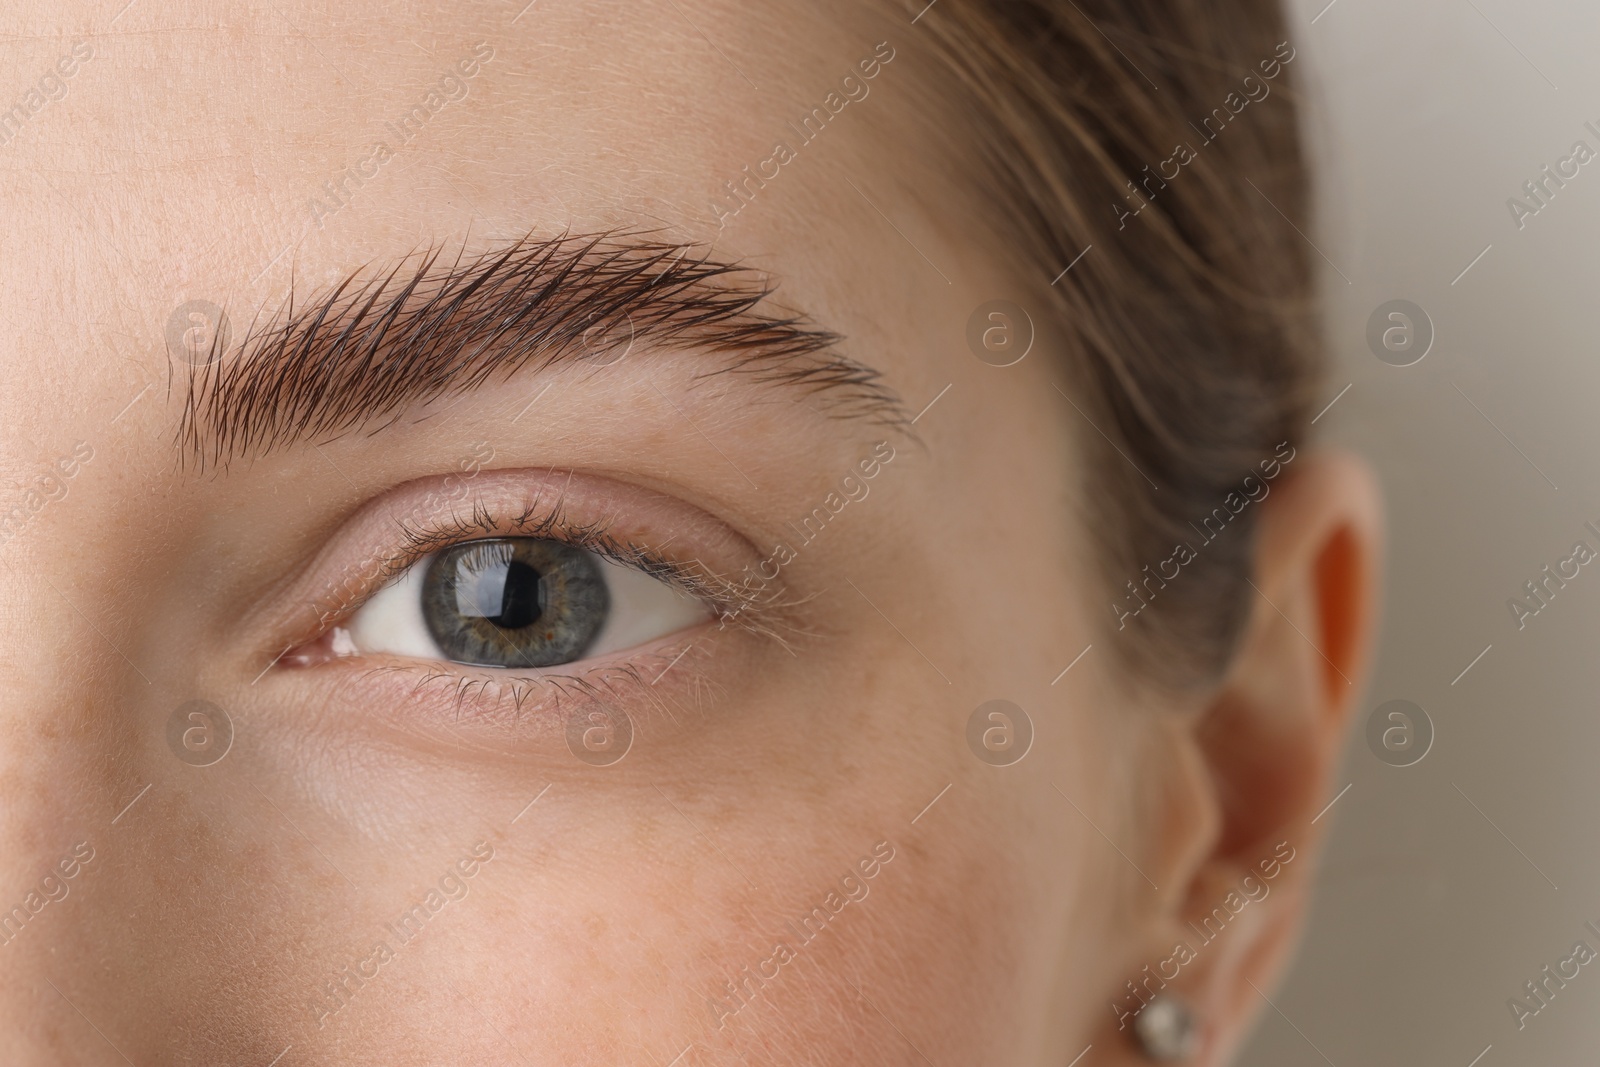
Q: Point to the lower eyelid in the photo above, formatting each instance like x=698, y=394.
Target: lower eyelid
x=518, y=714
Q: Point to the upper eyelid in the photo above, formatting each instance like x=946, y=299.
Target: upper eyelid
x=594, y=537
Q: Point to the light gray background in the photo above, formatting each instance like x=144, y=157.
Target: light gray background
x=1430, y=913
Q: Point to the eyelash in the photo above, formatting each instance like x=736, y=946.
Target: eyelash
x=492, y=694
x=593, y=537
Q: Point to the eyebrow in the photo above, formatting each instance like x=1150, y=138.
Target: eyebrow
x=357, y=356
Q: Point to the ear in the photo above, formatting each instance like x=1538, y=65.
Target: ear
x=1254, y=769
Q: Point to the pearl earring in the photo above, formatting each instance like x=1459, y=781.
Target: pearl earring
x=1165, y=1029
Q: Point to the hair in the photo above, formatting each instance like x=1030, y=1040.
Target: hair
x=1190, y=342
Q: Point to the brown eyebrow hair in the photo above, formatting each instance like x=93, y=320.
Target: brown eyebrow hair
x=427, y=327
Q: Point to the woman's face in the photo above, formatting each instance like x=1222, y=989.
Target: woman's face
x=294, y=827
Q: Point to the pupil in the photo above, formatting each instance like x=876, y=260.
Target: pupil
x=521, y=597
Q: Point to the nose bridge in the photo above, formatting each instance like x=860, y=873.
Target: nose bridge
x=72, y=775
x=150, y=872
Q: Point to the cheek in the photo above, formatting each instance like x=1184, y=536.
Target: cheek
x=614, y=941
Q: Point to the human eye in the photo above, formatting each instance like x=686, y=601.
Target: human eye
x=518, y=602
x=521, y=590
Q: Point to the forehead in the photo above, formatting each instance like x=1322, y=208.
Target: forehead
x=175, y=152
x=187, y=126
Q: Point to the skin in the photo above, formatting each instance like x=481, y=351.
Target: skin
x=220, y=900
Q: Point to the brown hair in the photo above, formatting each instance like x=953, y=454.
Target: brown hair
x=1192, y=353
